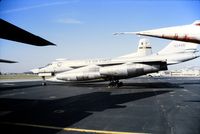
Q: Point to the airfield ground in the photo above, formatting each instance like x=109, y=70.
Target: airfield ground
x=142, y=105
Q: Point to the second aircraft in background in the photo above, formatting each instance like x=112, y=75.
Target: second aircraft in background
x=186, y=33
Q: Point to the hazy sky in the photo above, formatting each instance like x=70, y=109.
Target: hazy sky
x=83, y=28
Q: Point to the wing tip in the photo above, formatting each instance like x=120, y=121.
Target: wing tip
x=7, y=61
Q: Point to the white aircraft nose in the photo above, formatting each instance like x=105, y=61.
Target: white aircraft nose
x=35, y=71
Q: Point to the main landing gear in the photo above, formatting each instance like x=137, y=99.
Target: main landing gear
x=44, y=81
x=115, y=83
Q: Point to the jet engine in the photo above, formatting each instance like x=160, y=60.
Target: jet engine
x=84, y=73
x=79, y=76
x=132, y=70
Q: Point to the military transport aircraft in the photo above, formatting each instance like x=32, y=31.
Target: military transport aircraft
x=186, y=33
x=131, y=65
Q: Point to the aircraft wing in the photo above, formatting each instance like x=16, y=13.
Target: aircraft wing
x=7, y=61
x=145, y=60
x=9, y=31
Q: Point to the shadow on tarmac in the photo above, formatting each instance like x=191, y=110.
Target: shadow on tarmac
x=3, y=88
x=192, y=101
x=62, y=112
x=131, y=85
x=99, y=84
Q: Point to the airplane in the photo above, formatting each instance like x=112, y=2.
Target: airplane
x=131, y=65
x=186, y=33
x=11, y=32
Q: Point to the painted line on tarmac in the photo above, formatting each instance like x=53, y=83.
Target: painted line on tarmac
x=70, y=129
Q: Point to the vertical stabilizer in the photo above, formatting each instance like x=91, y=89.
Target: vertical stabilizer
x=144, y=49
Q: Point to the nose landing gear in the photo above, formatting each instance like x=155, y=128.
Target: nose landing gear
x=44, y=81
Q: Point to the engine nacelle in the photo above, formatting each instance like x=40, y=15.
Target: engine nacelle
x=84, y=73
x=131, y=70
x=79, y=76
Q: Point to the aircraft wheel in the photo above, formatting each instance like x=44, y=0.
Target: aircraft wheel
x=111, y=84
x=114, y=84
x=120, y=84
x=44, y=83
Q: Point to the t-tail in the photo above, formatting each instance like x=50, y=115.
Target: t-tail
x=144, y=49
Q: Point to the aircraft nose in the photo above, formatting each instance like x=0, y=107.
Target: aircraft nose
x=35, y=71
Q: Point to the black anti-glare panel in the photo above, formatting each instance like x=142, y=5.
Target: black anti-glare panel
x=11, y=32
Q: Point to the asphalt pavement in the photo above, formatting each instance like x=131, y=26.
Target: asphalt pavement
x=142, y=105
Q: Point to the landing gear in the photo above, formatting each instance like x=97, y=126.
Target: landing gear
x=44, y=81
x=115, y=83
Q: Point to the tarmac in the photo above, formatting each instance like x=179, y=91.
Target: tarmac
x=142, y=105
